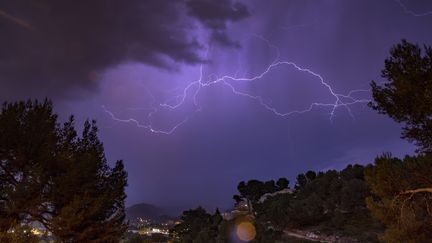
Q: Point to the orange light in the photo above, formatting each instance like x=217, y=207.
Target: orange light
x=246, y=231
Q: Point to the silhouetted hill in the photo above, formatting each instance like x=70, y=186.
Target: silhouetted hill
x=148, y=211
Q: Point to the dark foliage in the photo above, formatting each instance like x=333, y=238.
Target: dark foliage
x=401, y=199
x=407, y=96
x=253, y=190
x=329, y=201
x=198, y=226
x=50, y=175
x=402, y=189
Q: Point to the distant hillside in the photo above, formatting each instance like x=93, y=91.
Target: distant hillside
x=148, y=211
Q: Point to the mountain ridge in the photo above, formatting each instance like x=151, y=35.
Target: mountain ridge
x=150, y=212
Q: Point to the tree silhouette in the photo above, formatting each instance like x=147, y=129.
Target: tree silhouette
x=50, y=175
x=407, y=96
x=253, y=190
x=332, y=200
x=402, y=189
x=199, y=226
x=282, y=183
x=402, y=197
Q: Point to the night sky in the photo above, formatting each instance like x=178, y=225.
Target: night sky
x=151, y=73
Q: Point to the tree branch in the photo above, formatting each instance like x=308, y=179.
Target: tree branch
x=419, y=190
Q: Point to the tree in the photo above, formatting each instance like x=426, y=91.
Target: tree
x=402, y=189
x=302, y=179
x=276, y=211
x=402, y=197
x=198, y=226
x=282, y=183
x=332, y=201
x=407, y=96
x=253, y=190
x=50, y=175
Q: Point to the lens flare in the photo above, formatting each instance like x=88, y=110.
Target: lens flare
x=245, y=231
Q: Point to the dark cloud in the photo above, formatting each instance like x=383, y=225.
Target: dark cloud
x=55, y=45
x=221, y=38
x=215, y=15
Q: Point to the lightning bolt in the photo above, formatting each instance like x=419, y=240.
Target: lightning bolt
x=142, y=125
x=192, y=90
x=410, y=12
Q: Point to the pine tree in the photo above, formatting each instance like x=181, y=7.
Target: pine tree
x=407, y=96
x=49, y=174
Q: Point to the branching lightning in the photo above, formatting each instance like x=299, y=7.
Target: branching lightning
x=193, y=89
x=141, y=125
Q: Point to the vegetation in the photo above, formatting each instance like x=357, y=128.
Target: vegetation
x=402, y=188
x=400, y=198
x=407, y=96
x=253, y=190
x=331, y=202
x=199, y=226
x=50, y=175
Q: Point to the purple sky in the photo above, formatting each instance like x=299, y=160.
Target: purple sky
x=134, y=59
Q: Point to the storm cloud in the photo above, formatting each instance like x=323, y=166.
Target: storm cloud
x=52, y=46
x=215, y=15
